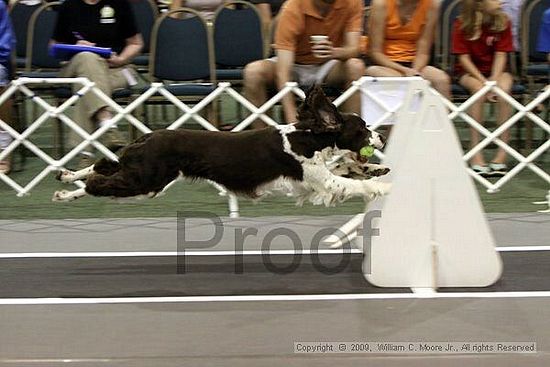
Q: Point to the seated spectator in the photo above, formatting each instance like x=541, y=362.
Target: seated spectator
x=332, y=61
x=482, y=39
x=207, y=8
x=7, y=44
x=543, y=40
x=400, y=39
x=103, y=23
x=543, y=45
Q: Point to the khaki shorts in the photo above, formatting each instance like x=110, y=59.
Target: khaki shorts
x=308, y=75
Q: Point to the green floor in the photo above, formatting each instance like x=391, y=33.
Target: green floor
x=516, y=196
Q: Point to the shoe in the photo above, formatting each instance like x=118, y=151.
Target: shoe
x=483, y=171
x=5, y=166
x=498, y=169
x=113, y=139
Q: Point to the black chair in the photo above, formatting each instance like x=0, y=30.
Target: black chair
x=39, y=63
x=20, y=15
x=182, y=57
x=238, y=39
x=145, y=12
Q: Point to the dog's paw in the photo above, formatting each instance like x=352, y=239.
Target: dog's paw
x=63, y=196
x=65, y=176
x=375, y=189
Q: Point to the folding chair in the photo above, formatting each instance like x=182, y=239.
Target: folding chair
x=20, y=15
x=238, y=39
x=182, y=57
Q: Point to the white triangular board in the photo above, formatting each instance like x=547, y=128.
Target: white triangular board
x=433, y=201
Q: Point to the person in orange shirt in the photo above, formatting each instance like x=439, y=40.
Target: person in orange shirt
x=300, y=57
x=401, y=34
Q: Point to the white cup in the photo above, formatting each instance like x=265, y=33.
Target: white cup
x=318, y=38
x=315, y=39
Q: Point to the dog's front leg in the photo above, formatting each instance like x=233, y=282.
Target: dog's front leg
x=66, y=176
x=334, y=188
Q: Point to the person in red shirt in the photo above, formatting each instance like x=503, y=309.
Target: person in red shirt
x=482, y=38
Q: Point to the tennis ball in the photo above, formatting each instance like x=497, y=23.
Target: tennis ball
x=367, y=151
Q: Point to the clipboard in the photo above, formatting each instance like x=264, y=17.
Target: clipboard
x=62, y=51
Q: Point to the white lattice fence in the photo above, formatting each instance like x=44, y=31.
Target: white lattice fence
x=364, y=85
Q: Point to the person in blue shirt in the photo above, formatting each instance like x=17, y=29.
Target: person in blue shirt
x=7, y=44
x=543, y=41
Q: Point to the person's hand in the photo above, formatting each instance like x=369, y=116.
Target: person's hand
x=85, y=43
x=116, y=61
x=412, y=72
x=322, y=49
x=491, y=96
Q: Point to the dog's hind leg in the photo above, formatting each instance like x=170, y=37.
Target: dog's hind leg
x=67, y=176
x=103, y=166
x=66, y=195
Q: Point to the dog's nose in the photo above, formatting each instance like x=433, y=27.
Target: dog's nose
x=377, y=140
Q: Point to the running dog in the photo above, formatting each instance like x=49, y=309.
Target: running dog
x=250, y=163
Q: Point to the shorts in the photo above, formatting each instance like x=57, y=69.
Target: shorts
x=308, y=75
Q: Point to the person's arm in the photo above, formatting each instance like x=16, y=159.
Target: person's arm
x=425, y=42
x=377, y=26
x=499, y=65
x=133, y=47
x=265, y=14
x=469, y=67
x=283, y=67
x=176, y=4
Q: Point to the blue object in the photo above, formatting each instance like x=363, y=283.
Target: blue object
x=63, y=51
x=543, y=44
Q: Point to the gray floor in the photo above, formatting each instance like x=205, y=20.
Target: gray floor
x=251, y=333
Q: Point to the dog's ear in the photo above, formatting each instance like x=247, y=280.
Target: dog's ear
x=318, y=114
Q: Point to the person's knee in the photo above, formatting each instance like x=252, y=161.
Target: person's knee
x=355, y=69
x=441, y=78
x=256, y=74
x=85, y=57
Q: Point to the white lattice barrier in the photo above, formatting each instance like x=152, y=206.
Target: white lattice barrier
x=364, y=85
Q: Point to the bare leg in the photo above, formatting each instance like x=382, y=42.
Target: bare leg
x=439, y=80
x=343, y=74
x=476, y=111
x=258, y=77
x=504, y=111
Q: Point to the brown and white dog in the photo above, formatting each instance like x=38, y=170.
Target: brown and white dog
x=250, y=163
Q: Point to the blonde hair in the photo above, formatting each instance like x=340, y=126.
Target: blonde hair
x=472, y=17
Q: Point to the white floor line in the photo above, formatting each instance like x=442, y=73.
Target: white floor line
x=522, y=248
x=11, y=255
x=269, y=298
